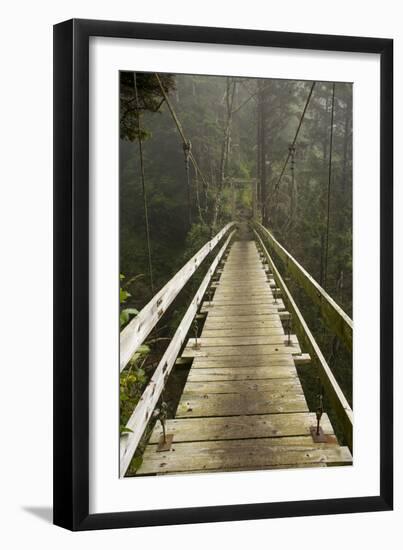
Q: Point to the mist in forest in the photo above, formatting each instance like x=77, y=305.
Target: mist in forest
x=240, y=132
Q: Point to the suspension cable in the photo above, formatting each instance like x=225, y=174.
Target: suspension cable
x=292, y=147
x=199, y=209
x=143, y=185
x=186, y=142
x=328, y=188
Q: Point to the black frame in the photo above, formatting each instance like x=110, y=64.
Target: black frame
x=71, y=274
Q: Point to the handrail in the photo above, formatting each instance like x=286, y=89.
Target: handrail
x=144, y=408
x=337, y=320
x=134, y=334
x=332, y=388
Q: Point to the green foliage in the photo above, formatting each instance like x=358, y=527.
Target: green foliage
x=124, y=295
x=133, y=378
x=125, y=430
x=198, y=235
x=125, y=315
x=150, y=99
x=132, y=381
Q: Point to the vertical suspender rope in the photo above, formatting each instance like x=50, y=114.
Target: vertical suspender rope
x=320, y=409
x=162, y=411
x=147, y=226
x=328, y=189
x=199, y=210
x=295, y=137
x=187, y=147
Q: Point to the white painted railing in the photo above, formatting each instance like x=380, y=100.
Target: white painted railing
x=134, y=334
x=337, y=320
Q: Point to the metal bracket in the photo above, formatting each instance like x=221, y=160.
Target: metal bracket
x=164, y=443
x=320, y=437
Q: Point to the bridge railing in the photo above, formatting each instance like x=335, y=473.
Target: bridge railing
x=134, y=334
x=142, y=325
x=336, y=319
x=339, y=402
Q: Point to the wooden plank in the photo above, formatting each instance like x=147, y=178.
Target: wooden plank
x=144, y=408
x=240, y=373
x=242, y=285
x=244, y=360
x=229, y=295
x=332, y=388
x=244, y=320
x=241, y=427
x=228, y=292
x=276, y=401
x=239, y=267
x=242, y=331
x=218, y=351
x=219, y=341
x=337, y=320
x=234, y=277
x=244, y=300
x=236, y=322
x=303, y=359
x=247, y=453
x=257, y=468
x=228, y=311
x=134, y=334
x=231, y=290
x=241, y=386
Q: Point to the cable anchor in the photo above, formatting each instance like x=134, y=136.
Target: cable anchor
x=318, y=435
x=165, y=440
x=288, y=329
x=196, y=332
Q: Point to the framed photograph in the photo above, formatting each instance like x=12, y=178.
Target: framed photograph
x=223, y=206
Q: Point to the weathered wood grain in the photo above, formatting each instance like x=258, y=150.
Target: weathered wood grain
x=244, y=360
x=244, y=300
x=239, y=311
x=235, y=386
x=215, y=374
x=220, y=341
x=257, y=468
x=241, y=427
x=249, y=453
x=275, y=401
x=258, y=349
x=227, y=298
x=243, y=331
x=244, y=320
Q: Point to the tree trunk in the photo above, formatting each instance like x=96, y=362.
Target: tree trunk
x=259, y=152
x=262, y=197
x=229, y=101
x=347, y=123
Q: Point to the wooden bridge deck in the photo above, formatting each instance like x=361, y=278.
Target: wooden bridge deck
x=243, y=407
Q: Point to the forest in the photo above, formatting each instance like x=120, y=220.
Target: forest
x=199, y=151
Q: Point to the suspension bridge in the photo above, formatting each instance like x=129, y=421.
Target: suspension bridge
x=243, y=340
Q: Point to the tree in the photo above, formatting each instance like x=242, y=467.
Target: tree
x=150, y=98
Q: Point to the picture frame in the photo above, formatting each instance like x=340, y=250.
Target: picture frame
x=72, y=274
